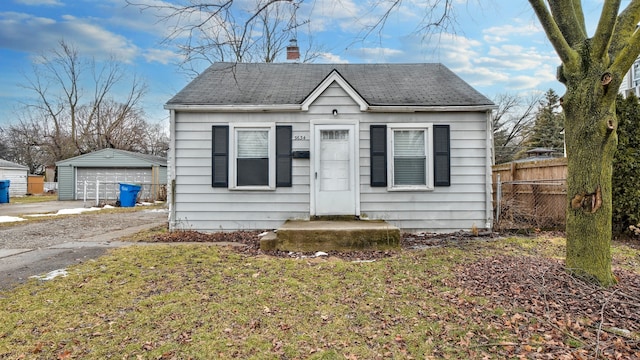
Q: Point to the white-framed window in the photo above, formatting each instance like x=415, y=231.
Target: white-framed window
x=410, y=156
x=252, y=156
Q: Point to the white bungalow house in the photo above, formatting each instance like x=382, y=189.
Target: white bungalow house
x=254, y=145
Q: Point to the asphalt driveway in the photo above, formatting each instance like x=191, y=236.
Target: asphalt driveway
x=13, y=209
x=31, y=248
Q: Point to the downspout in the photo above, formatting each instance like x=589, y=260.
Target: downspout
x=489, y=160
x=171, y=170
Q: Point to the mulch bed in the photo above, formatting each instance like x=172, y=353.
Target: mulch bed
x=554, y=314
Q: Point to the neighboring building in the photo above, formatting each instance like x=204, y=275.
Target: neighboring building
x=107, y=168
x=253, y=145
x=17, y=175
x=631, y=81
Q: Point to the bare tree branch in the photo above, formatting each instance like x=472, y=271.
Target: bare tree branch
x=205, y=32
x=568, y=55
x=77, y=109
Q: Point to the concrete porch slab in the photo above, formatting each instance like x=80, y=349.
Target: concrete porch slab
x=323, y=235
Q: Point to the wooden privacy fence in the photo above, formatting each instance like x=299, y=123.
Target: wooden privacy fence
x=35, y=184
x=530, y=194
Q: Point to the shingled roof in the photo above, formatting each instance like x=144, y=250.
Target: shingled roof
x=291, y=83
x=6, y=164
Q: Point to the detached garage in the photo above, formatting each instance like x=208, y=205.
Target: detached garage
x=97, y=175
x=17, y=175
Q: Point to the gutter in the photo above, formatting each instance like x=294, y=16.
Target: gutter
x=299, y=107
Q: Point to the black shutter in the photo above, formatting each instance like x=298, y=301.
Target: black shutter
x=220, y=156
x=442, y=155
x=378, y=153
x=283, y=156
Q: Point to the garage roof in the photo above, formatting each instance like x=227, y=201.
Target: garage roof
x=114, y=158
x=5, y=164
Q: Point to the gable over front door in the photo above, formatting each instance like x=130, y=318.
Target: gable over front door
x=334, y=171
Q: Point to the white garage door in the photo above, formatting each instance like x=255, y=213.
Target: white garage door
x=109, y=188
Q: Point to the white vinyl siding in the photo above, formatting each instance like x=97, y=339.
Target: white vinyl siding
x=462, y=205
x=17, y=180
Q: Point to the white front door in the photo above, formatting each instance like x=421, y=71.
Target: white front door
x=334, y=170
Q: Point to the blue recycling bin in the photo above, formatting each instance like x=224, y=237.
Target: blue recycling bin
x=4, y=191
x=128, y=194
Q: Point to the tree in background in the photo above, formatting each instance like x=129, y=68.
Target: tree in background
x=79, y=106
x=548, y=127
x=213, y=31
x=4, y=149
x=28, y=145
x=511, y=123
x=626, y=165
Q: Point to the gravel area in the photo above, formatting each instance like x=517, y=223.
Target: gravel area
x=58, y=230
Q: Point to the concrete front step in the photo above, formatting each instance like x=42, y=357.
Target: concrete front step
x=311, y=236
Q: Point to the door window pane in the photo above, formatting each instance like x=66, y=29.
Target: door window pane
x=334, y=160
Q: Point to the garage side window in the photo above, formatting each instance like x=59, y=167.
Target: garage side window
x=251, y=156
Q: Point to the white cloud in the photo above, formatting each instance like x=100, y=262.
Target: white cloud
x=147, y=17
x=378, y=54
x=519, y=28
x=160, y=56
x=31, y=34
x=329, y=58
x=40, y=2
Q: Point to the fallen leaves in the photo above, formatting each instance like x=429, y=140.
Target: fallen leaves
x=564, y=316
x=448, y=301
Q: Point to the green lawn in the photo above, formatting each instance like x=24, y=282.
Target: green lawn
x=202, y=301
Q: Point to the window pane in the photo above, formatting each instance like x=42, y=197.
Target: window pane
x=253, y=172
x=408, y=143
x=409, y=171
x=253, y=143
x=252, y=158
x=409, y=157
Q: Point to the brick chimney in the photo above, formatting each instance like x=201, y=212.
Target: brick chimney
x=293, y=52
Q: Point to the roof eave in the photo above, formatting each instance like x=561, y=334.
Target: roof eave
x=234, y=108
x=298, y=107
x=431, y=108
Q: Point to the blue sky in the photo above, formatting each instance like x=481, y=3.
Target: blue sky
x=498, y=45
